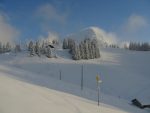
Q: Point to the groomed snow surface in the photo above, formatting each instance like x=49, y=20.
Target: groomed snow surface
x=32, y=85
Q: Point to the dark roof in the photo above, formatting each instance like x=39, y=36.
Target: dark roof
x=51, y=46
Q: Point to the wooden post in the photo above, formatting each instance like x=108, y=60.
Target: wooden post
x=59, y=74
x=98, y=88
x=82, y=77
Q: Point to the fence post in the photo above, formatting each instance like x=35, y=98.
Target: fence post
x=60, y=74
x=82, y=77
x=98, y=88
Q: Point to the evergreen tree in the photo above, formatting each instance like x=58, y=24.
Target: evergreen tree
x=97, y=52
x=4, y=48
x=79, y=53
x=65, y=44
x=86, y=50
x=81, y=49
x=8, y=47
x=37, y=48
x=93, y=51
x=17, y=48
x=76, y=53
x=49, y=52
x=55, y=42
x=31, y=48
x=139, y=46
x=1, y=48
x=71, y=44
x=43, y=48
x=90, y=49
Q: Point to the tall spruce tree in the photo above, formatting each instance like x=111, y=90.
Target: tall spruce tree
x=65, y=44
x=31, y=49
x=1, y=48
x=49, y=52
x=37, y=48
x=8, y=47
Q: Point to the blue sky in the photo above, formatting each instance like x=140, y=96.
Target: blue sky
x=127, y=19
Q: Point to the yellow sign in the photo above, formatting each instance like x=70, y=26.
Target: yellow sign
x=97, y=78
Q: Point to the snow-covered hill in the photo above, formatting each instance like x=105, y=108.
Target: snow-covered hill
x=28, y=82
x=95, y=33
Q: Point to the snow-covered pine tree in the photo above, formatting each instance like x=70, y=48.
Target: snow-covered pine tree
x=37, y=48
x=76, y=53
x=90, y=49
x=1, y=48
x=86, y=50
x=43, y=48
x=71, y=44
x=4, y=48
x=81, y=48
x=93, y=51
x=49, y=52
x=97, y=52
x=79, y=53
x=65, y=44
x=17, y=48
x=95, y=48
x=55, y=42
x=8, y=47
x=31, y=48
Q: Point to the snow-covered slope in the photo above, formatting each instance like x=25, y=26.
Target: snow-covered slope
x=21, y=97
x=125, y=76
x=95, y=33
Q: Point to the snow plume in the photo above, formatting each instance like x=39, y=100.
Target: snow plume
x=102, y=36
x=109, y=37
x=50, y=37
x=7, y=32
x=124, y=44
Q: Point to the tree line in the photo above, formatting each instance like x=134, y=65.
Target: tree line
x=5, y=47
x=44, y=48
x=86, y=49
x=139, y=46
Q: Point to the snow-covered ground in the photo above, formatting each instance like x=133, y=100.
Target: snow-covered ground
x=21, y=97
x=31, y=84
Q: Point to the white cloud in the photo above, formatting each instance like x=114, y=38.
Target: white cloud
x=7, y=32
x=48, y=12
x=135, y=23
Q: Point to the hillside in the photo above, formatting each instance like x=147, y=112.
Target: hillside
x=124, y=75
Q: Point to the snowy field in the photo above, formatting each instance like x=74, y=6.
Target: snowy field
x=31, y=84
